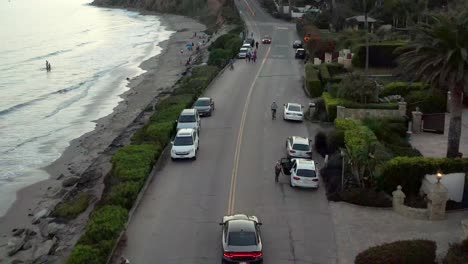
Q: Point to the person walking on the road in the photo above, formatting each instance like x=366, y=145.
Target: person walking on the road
x=273, y=110
x=278, y=170
x=254, y=57
x=247, y=57
x=124, y=260
x=256, y=44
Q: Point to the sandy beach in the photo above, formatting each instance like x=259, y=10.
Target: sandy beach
x=94, y=149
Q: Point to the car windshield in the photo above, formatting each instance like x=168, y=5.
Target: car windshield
x=294, y=108
x=300, y=51
x=242, y=238
x=301, y=147
x=187, y=119
x=243, y=50
x=202, y=103
x=306, y=173
x=183, y=141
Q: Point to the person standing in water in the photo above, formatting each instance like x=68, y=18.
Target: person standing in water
x=48, y=67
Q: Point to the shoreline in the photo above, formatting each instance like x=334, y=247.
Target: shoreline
x=161, y=73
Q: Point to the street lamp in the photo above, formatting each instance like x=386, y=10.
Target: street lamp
x=439, y=175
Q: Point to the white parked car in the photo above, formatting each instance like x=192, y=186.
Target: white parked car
x=185, y=144
x=293, y=112
x=246, y=45
x=243, y=53
x=304, y=174
x=189, y=118
x=298, y=147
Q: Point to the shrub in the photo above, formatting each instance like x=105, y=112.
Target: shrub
x=219, y=57
x=335, y=141
x=336, y=68
x=358, y=88
x=124, y=194
x=330, y=105
x=85, y=254
x=73, y=208
x=313, y=83
x=105, y=224
x=324, y=74
x=427, y=101
x=169, y=109
x=347, y=124
x=409, y=171
x=402, y=88
x=456, y=255
x=321, y=143
x=380, y=54
x=400, y=252
x=333, y=89
x=366, y=197
x=134, y=162
x=159, y=133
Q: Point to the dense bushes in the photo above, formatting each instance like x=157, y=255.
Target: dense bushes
x=427, y=101
x=358, y=88
x=312, y=81
x=409, y=171
x=457, y=253
x=380, y=54
x=72, y=208
x=366, y=197
x=391, y=132
x=100, y=236
x=134, y=162
x=400, y=252
x=224, y=48
x=402, y=88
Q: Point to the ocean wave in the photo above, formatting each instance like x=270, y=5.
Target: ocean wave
x=142, y=43
x=84, y=43
x=49, y=55
x=35, y=138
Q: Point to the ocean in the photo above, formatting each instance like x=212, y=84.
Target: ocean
x=91, y=51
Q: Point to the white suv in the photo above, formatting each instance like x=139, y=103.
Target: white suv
x=298, y=147
x=185, y=144
x=304, y=174
x=189, y=118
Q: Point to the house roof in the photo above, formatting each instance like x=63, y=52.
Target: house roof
x=361, y=19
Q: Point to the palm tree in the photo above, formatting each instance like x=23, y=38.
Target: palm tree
x=439, y=55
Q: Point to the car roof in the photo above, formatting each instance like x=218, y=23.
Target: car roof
x=188, y=112
x=184, y=132
x=300, y=140
x=294, y=104
x=203, y=98
x=300, y=49
x=244, y=49
x=297, y=41
x=241, y=225
x=305, y=164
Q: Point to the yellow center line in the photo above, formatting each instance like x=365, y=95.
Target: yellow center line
x=232, y=190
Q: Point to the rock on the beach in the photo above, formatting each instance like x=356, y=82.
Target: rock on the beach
x=18, y=231
x=44, y=248
x=27, y=245
x=41, y=214
x=70, y=181
x=16, y=261
x=54, y=228
x=15, y=245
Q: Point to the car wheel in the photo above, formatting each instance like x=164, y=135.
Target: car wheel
x=172, y=159
x=290, y=184
x=195, y=157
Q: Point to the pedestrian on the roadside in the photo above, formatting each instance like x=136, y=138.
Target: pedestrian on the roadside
x=278, y=170
x=124, y=260
x=256, y=44
x=254, y=57
x=247, y=56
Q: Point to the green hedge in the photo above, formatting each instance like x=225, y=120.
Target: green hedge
x=134, y=162
x=402, y=88
x=347, y=124
x=219, y=57
x=72, y=208
x=324, y=73
x=427, y=101
x=313, y=84
x=124, y=194
x=457, y=253
x=409, y=171
x=400, y=252
x=380, y=54
x=100, y=236
x=330, y=105
x=336, y=68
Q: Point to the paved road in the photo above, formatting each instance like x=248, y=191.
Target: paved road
x=177, y=220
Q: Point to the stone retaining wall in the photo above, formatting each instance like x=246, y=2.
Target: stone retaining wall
x=411, y=212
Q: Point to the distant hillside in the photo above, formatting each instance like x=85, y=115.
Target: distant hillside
x=207, y=11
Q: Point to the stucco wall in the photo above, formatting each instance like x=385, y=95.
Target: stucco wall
x=343, y=112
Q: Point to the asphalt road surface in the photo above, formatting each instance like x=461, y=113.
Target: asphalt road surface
x=177, y=220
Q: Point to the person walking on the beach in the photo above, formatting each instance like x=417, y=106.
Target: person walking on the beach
x=278, y=170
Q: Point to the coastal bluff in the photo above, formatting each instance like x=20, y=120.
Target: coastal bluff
x=192, y=8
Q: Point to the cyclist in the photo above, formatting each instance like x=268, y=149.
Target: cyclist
x=274, y=107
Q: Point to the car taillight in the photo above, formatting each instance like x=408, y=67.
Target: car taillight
x=309, y=153
x=243, y=254
x=315, y=180
x=296, y=178
x=292, y=151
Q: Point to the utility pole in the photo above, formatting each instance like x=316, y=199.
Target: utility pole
x=366, y=26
